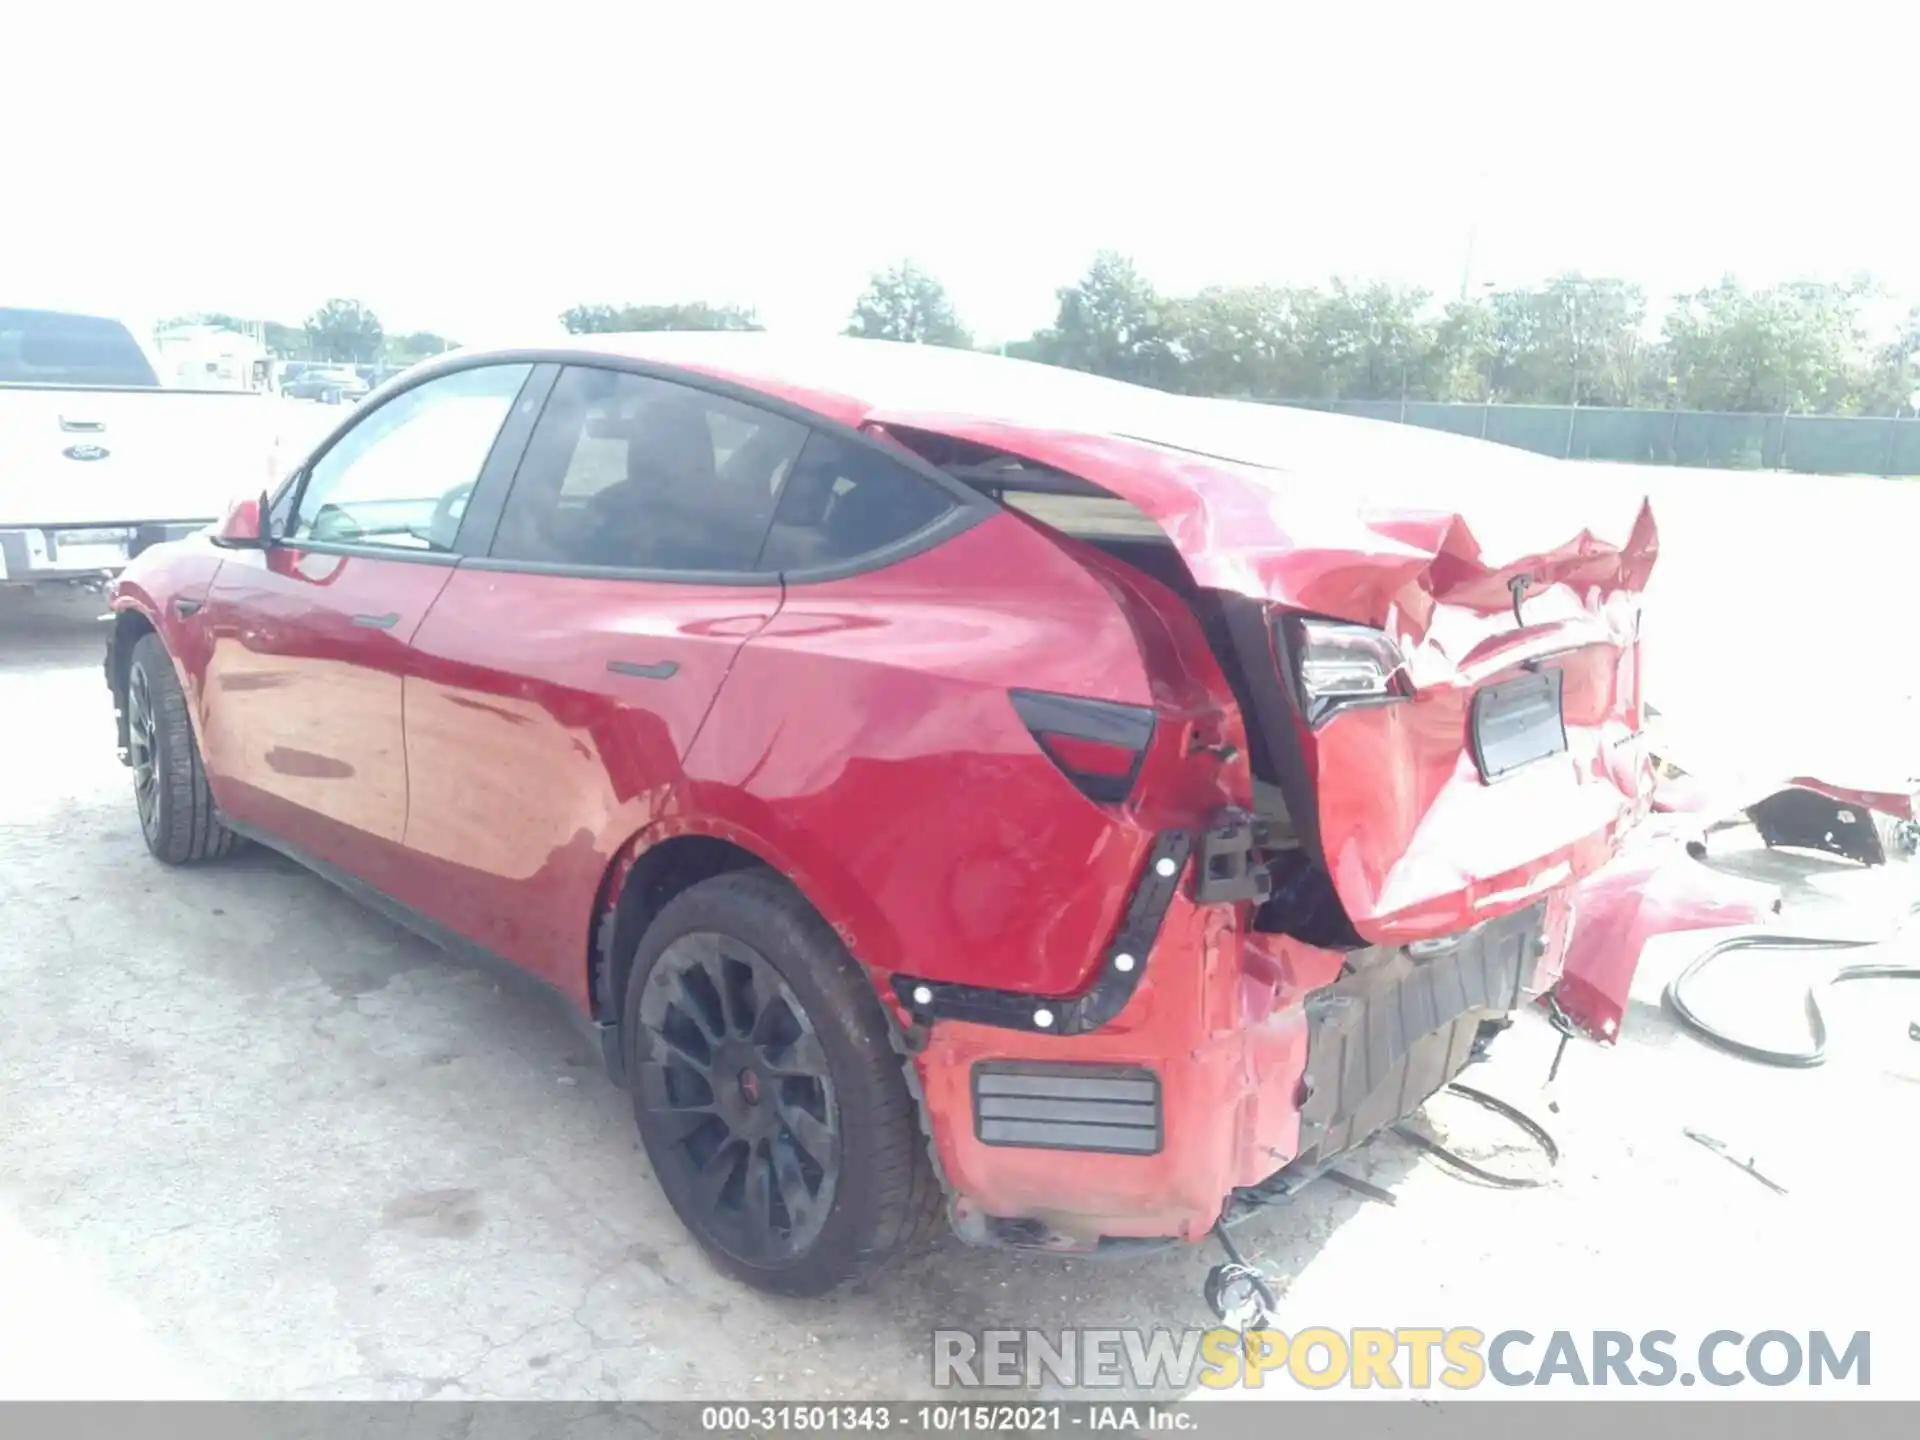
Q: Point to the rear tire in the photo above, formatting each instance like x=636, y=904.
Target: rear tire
x=178, y=818
x=767, y=1091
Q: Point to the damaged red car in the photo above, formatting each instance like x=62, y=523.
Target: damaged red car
x=955, y=790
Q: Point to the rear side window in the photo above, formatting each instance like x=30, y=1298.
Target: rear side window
x=628, y=472
x=46, y=347
x=846, y=501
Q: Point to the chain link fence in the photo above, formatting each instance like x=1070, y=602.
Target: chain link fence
x=1812, y=444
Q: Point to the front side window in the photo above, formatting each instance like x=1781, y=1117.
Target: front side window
x=629, y=472
x=402, y=475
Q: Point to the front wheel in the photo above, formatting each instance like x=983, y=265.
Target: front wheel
x=178, y=818
x=767, y=1093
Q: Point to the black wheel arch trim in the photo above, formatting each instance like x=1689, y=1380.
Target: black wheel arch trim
x=118, y=664
x=1122, y=964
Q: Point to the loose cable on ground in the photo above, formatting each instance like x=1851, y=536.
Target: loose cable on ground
x=1816, y=1053
x=1458, y=1162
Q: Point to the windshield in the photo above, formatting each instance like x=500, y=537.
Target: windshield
x=46, y=347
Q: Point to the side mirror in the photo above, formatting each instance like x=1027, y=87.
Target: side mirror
x=244, y=527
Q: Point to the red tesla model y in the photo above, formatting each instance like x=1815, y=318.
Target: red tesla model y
x=956, y=790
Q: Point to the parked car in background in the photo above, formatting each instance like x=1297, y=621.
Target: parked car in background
x=948, y=786
x=99, y=459
x=330, y=384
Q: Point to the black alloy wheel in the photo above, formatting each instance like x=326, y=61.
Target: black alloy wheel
x=740, y=1086
x=767, y=1090
x=143, y=750
x=178, y=817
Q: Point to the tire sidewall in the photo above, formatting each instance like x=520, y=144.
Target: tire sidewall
x=187, y=827
x=809, y=957
x=170, y=755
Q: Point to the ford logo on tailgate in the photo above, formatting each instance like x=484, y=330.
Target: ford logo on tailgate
x=86, y=452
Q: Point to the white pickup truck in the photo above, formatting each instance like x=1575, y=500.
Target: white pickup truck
x=99, y=460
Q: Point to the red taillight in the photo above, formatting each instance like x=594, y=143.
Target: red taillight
x=1091, y=757
x=1097, y=744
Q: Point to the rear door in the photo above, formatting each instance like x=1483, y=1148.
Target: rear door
x=309, y=639
x=564, y=671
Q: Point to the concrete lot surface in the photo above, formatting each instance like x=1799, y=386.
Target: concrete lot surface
x=255, y=1141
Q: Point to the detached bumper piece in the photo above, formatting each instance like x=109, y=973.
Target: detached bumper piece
x=1398, y=1025
x=1105, y=1109
x=1808, y=820
x=1120, y=969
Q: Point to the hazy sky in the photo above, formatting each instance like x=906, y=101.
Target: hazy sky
x=475, y=175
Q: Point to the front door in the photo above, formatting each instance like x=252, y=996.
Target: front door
x=300, y=705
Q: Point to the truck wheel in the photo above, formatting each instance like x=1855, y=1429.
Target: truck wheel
x=178, y=818
x=767, y=1092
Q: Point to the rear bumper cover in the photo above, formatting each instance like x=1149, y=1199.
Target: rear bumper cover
x=1239, y=1056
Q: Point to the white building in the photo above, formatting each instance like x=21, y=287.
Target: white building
x=206, y=357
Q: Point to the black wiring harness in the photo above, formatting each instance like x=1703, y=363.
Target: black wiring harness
x=1816, y=1053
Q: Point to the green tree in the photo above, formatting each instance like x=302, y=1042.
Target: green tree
x=1111, y=322
x=1244, y=342
x=1576, y=339
x=288, y=342
x=590, y=319
x=1371, y=342
x=906, y=303
x=692, y=315
x=1892, y=373
x=1346, y=342
x=344, y=330
x=420, y=345
x=1466, y=351
x=1796, y=346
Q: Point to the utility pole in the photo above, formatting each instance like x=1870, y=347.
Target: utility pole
x=1473, y=230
